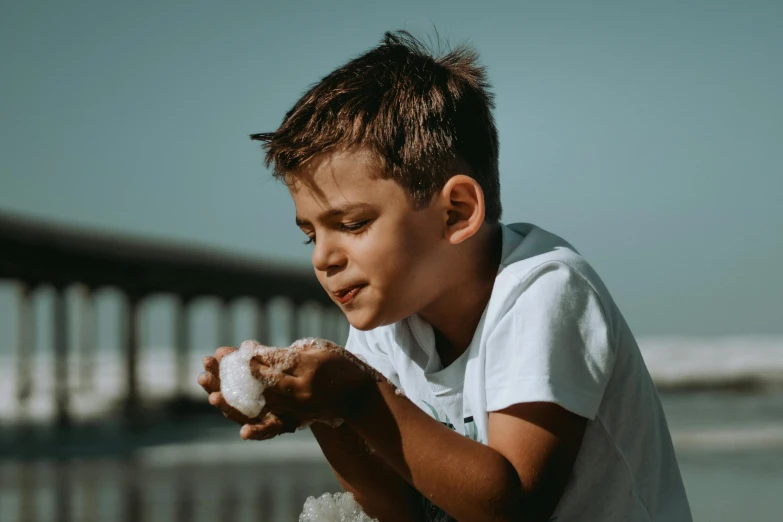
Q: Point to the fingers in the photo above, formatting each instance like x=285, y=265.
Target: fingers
x=209, y=382
x=211, y=365
x=286, y=385
x=210, y=379
x=282, y=360
x=273, y=378
x=216, y=399
x=223, y=351
x=271, y=427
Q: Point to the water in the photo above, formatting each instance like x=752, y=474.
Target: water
x=333, y=507
x=206, y=476
x=729, y=445
x=99, y=383
x=741, y=486
x=730, y=450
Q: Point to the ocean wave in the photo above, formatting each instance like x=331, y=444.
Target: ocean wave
x=742, y=362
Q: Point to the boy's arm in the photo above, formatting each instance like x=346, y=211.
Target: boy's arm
x=381, y=491
x=520, y=475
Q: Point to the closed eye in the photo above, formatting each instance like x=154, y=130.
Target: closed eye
x=351, y=227
x=356, y=226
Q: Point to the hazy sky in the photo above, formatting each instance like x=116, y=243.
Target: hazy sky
x=648, y=135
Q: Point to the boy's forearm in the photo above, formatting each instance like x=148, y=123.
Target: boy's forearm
x=469, y=480
x=380, y=490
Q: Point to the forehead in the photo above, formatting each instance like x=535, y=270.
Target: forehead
x=338, y=181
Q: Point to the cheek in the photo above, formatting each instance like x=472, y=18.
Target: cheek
x=388, y=254
x=395, y=261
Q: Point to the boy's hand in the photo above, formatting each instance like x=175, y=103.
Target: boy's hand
x=317, y=385
x=265, y=426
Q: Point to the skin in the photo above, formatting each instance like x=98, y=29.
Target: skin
x=439, y=262
x=427, y=261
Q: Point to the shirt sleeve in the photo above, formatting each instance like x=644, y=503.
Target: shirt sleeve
x=360, y=344
x=553, y=345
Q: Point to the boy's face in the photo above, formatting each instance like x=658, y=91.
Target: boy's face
x=377, y=258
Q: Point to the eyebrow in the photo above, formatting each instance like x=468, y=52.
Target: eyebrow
x=333, y=212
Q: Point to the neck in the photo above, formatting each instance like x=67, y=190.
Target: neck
x=455, y=314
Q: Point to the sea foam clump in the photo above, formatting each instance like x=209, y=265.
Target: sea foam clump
x=241, y=390
x=245, y=392
x=334, y=507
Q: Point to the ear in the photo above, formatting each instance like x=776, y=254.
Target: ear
x=463, y=202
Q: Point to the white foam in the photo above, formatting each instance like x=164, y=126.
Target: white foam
x=240, y=389
x=333, y=507
x=245, y=392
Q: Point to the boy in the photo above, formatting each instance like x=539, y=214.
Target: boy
x=524, y=395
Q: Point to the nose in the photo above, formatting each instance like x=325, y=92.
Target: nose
x=327, y=254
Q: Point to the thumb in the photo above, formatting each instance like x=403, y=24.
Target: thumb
x=270, y=427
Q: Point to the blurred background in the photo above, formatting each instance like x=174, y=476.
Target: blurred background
x=139, y=229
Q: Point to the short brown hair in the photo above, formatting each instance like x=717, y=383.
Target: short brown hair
x=424, y=117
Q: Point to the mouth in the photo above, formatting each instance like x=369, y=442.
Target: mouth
x=346, y=295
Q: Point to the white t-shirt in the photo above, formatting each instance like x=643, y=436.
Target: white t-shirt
x=550, y=332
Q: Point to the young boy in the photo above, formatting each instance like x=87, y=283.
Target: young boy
x=522, y=393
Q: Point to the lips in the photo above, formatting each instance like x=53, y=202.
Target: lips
x=345, y=290
x=347, y=294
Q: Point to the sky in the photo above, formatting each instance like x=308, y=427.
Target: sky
x=646, y=134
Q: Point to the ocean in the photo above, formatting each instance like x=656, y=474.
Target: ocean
x=723, y=400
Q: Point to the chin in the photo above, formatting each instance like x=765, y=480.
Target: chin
x=361, y=321
x=364, y=319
